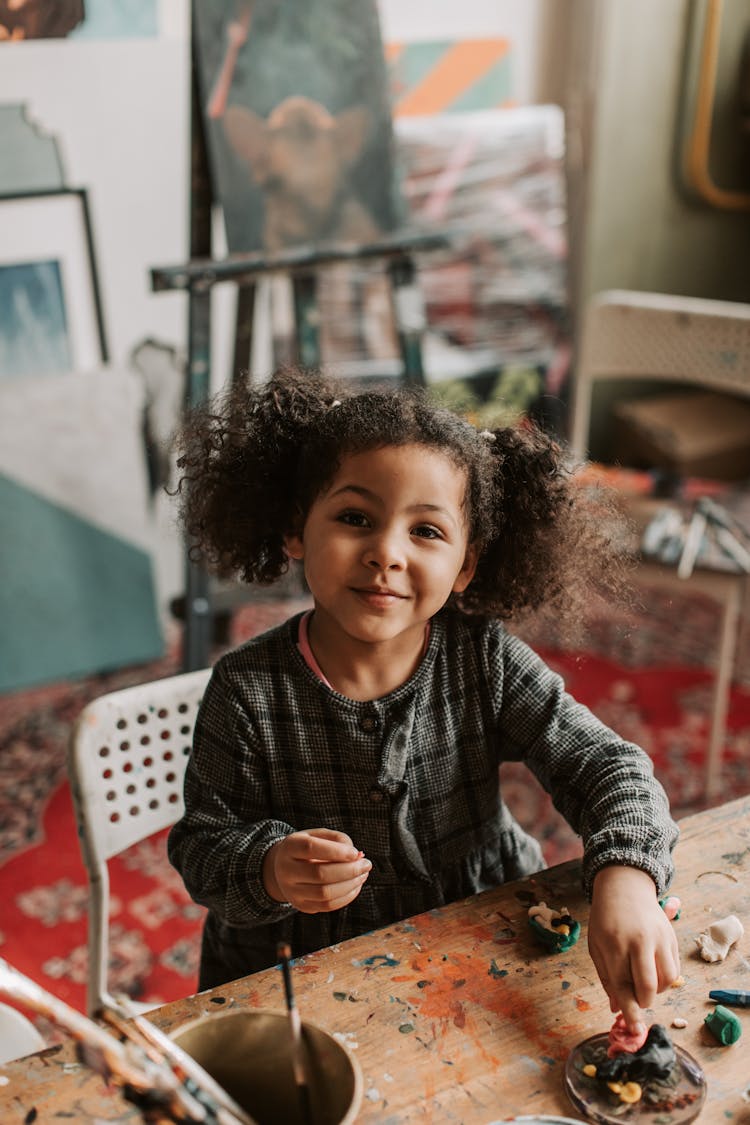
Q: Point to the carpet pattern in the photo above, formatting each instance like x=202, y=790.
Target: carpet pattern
x=646, y=676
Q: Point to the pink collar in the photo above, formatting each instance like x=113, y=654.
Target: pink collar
x=303, y=644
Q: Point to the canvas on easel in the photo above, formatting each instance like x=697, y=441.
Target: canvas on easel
x=295, y=100
x=296, y=111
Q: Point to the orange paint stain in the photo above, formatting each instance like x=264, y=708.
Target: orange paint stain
x=582, y=1005
x=462, y=983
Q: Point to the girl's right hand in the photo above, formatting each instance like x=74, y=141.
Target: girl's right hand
x=317, y=870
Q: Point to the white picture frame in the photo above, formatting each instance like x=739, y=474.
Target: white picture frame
x=47, y=253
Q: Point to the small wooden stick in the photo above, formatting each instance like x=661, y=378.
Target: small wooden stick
x=299, y=1061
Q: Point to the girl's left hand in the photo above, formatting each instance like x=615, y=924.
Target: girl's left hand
x=631, y=941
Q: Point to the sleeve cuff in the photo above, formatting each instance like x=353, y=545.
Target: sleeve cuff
x=263, y=907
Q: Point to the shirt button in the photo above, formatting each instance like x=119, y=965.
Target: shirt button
x=369, y=723
x=376, y=795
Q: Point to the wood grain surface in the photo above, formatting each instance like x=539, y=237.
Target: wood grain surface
x=458, y=1015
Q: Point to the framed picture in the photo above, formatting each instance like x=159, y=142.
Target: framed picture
x=50, y=310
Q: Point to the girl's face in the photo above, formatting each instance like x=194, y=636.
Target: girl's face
x=386, y=543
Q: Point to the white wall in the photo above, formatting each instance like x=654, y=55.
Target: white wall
x=119, y=111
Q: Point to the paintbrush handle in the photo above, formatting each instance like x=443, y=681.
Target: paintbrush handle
x=228, y=1112
x=127, y=1064
x=299, y=1061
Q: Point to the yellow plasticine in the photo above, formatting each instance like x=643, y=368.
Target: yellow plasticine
x=615, y=1087
x=589, y=1070
x=677, y=982
x=631, y=1093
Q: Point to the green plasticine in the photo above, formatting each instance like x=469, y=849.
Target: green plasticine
x=723, y=1025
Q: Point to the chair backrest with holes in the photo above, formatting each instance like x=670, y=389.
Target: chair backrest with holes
x=633, y=335
x=126, y=765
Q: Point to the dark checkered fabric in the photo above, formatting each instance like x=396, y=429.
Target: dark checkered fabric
x=412, y=778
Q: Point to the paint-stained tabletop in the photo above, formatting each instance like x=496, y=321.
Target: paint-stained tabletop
x=458, y=1015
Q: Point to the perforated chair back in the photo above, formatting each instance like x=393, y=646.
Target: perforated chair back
x=632, y=335
x=126, y=766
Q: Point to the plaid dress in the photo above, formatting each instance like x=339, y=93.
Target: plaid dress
x=411, y=777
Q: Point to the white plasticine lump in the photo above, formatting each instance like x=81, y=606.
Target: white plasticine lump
x=715, y=942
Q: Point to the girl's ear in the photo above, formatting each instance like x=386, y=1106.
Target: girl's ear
x=468, y=570
x=293, y=546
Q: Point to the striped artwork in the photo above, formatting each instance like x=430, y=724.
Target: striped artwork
x=449, y=76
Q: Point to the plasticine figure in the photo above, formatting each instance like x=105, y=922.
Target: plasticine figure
x=554, y=928
x=654, y=1059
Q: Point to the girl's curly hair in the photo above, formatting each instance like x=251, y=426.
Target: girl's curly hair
x=254, y=459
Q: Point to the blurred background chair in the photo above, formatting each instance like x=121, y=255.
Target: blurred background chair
x=126, y=764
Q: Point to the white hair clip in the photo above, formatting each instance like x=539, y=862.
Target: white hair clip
x=488, y=435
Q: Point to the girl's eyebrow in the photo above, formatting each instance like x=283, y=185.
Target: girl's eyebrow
x=368, y=494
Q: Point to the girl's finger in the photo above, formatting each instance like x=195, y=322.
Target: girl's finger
x=329, y=874
x=320, y=845
x=325, y=899
x=332, y=834
x=668, y=969
x=644, y=976
x=631, y=1013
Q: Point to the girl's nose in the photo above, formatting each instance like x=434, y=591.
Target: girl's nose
x=384, y=552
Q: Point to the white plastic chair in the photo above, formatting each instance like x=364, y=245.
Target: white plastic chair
x=126, y=765
x=18, y=1036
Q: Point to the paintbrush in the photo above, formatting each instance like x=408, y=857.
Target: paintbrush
x=299, y=1060
x=139, y=1069
x=161, y=1048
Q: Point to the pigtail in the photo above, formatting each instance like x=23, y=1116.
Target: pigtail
x=239, y=488
x=552, y=541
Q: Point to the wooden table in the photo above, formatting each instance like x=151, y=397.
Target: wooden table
x=457, y=1015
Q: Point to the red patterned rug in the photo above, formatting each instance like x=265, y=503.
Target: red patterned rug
x=155, y=927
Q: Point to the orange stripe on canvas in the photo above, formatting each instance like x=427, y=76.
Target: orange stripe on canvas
x=460, y=67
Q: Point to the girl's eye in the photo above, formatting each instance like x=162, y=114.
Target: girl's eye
x=425, y=531
x=353, y=519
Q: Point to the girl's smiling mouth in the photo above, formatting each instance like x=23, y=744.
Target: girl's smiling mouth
x=378, y=594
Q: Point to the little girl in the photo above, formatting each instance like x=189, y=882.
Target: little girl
x=344, y=772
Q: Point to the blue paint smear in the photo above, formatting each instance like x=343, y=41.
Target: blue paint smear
x=495, y=971
x=565, y=985
x=376, y=961
x=548, y=1061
